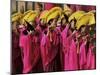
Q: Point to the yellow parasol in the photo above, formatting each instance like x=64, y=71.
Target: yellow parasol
x=29, y=17
x=29, y=11
x=76, y=15
x=16, y=17
x=86, y=19
x=53, y=13
x=43, y=15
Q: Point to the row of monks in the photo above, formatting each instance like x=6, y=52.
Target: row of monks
x=55, y=39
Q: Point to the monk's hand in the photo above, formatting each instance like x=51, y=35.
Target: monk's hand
x=74, y=31
x=48, y=31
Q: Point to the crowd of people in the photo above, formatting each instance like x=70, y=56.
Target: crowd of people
x=56, y=39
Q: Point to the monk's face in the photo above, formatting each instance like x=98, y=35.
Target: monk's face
x=14, y=25
x=42, y=22
x=83, y=29
x=59, y=23
x=54, y=22
x=63, y=21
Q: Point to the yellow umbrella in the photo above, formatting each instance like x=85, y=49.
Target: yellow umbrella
x=53, y=15
x=53, y=10
x=86, y=19
x=32, y=18
x=28, y=12
x=76, y=15
x=43, y=15
x=16, y=16
x=29, y=17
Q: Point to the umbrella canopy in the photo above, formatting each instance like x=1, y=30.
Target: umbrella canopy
x=52, y=16
x=29, y=17
x=86, y=19
x=16, y=17
x=27, y=12
x=43, y=15
x=76, y=15
x=53, y=13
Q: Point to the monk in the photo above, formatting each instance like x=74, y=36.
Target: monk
x=83, y=48
x=63, y=30
x=70, y=59
x=91, y=64
x=50, y=47
x=16, y=51
x=36, y=40
x=25, y=44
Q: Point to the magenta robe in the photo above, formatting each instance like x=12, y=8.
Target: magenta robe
x=49, y=51
x=44, y=52
x=28, y=60
x=64, y=47
x=69, y=50
x=37, y=64
x=37, y=39
x=16, y=54
x=91, y=59
x=82, y=56
x=71, y=61
x=25, y=43
x=73, y=64
x=62, y=36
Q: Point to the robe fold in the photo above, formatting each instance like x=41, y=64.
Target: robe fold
x=91, y=59
x=37, y=64
x=73, y=64
x=49, y=52
x=82, y=56
x=70, y=53
x=25, y=43
x=16, y=54
x=27, y=53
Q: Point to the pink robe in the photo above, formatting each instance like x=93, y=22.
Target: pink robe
x=82, y=56
x=44, y=52
x=37, y=39
x=91, y=59
x=37, y=64
x=69, y=50
x=64, y=47
x=73, y=64
x=16, y=54
x=71, y=61
x=62, y=37
x=49, y=51
x=26, y=44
